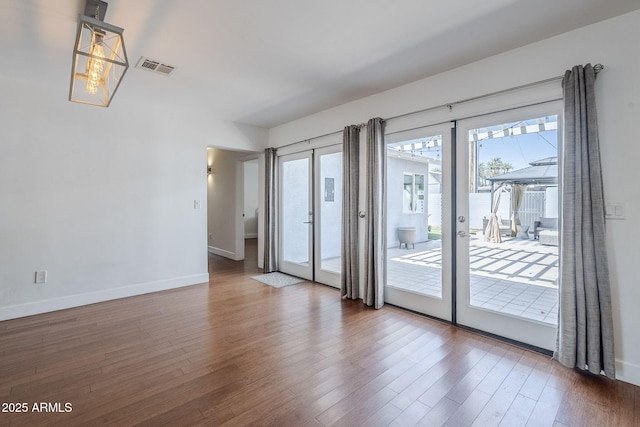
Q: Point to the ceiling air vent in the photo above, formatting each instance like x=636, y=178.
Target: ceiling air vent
x=155, y=66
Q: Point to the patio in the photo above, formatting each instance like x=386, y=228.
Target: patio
x=516, y=277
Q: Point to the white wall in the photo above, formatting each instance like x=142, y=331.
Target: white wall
x=330, y=210
x=103, y=199
x=396, y=217
x=612, y=43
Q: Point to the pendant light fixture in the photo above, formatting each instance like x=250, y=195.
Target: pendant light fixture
x=99, y=57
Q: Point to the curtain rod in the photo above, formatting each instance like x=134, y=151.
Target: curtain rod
x=361, y=125
x=309, y=139
x=450, y=105
x=597, y=68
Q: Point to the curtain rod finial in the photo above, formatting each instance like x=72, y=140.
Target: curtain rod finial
x=598, y=67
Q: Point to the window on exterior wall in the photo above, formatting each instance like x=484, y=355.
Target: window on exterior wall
x=413, y=193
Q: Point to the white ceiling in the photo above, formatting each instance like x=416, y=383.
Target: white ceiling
x=267, y=62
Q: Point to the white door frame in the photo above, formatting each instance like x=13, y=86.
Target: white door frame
x=531, y=332
x=313, y=270
x=432, y=306
x=296, y=269
x=321, y=275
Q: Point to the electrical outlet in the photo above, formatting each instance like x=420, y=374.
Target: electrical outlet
x=196, y=204
x=41, y=276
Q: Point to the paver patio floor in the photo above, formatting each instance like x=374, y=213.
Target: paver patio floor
x=516, y=277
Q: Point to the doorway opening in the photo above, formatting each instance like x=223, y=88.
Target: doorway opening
x=250, y=198
x=232, y=202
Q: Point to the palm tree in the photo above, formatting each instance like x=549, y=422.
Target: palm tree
x=494, y=167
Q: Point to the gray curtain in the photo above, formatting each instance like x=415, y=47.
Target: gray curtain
x=375, y=265
x=517, y=193
x=585, y=326
x=270, y=212
x=349, y=277
x=492, y=232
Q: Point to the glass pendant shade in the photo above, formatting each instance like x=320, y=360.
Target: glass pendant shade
x=99, y=62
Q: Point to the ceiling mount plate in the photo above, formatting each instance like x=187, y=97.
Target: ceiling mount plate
x=96, y=9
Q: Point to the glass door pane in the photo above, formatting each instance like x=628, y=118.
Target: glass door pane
x=296, y=215
x=328, y=223
x=507, y=224
x=418, y=253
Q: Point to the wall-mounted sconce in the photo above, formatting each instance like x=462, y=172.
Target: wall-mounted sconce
x=209, y=170
x=99, y=57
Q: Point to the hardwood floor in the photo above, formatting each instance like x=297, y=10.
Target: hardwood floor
x=237, y=352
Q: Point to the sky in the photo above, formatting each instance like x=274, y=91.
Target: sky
x=527, y=141
x=520, y=150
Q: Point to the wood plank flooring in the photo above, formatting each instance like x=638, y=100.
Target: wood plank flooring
x=236, y=352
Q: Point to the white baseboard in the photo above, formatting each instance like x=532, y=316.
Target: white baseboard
x=250, y=235
x=222, y=252
x=628, y=372
x=55, y=304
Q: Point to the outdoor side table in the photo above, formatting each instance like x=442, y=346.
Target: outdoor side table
x=522, y=232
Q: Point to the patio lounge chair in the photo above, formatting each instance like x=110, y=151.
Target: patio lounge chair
x=550, y=224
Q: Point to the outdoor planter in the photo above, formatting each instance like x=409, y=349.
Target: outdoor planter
x=407, y=235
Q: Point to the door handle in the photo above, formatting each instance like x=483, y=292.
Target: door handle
x=461, y=233
x=308, y=222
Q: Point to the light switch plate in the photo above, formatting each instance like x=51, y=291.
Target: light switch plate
x=615, y=210
x=41, y=276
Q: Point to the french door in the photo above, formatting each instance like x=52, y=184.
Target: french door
x=507, y=180
x=310, y=214
x=445, y=200
x=419, y=252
